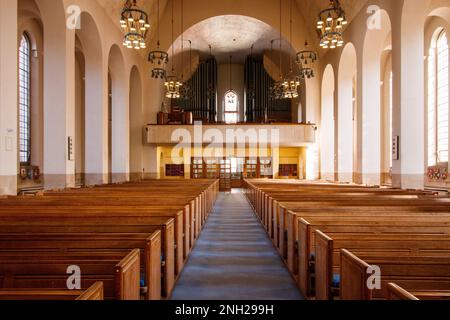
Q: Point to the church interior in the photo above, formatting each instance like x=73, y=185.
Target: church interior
x=224, y=150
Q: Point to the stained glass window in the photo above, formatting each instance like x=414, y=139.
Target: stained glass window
x=231, y=108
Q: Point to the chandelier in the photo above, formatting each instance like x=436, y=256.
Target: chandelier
x=172, y=84
x=173, y=87
x=134, y=22
x=306, y=59
x=158, y=58
x=290, y=87
x=276, y=91
x=291, y=82
x=186, y=92
x=330, y=25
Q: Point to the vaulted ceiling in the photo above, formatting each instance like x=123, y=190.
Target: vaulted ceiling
x=244, y=31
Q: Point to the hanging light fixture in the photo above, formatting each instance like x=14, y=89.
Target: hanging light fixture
x=173, y=85
x=291, y=82
x=186, y=93
x=184, y=88
x=306, y=59
x=134, y=22
x=158, y=58
x=330, y=25
x=211, y=93
x=275, y=91
x=278, y=86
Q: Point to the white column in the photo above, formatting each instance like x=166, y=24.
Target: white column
x=371, y=120
x=412, y=137
x=59, y=96
x=8, y=97
x=409, y=99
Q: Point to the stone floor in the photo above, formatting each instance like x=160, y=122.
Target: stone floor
x=234, y=259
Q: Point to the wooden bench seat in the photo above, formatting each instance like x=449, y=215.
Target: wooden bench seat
x=410, y=272
x=284, y=221
x=157, y=216
x=328, y=247
x=101, y=238
x=100, y=222
x=366, y=219
x=396, y=292
x=119, y=272
x=94, y=292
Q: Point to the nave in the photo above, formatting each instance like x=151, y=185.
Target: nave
x=234, y=259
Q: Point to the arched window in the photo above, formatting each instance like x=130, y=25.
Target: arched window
x=438, y=101
x=231, y=108
x=391, y=115
x=24, y=100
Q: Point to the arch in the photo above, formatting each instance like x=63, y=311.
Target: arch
x=136, y=124
x=346, y=112
x=327, y=152
x=80, y=114
x=30, y=25
x=25, y=100
x=262, y=11
x=375, y=42
x=120, y=116
x=438, y=98
x=88, y=43
x=231, y=107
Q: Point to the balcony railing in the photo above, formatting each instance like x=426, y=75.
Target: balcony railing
x=285, y=135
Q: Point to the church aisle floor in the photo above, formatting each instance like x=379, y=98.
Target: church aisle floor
x=234, y=259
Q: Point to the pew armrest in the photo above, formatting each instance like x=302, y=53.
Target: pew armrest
x=153, y=266
x=354, y=278
x=128, y=277
x=396, y=292
x=95, y=292
x=324, y=266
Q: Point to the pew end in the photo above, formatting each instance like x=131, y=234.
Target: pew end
x=128, y=277
x=93, y=293
x=353, y=278
x=323, y=266
x=153, y=264
x=396, y=292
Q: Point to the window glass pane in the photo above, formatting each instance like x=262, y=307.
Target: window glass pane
x=432, y=107
x=442, y=98
x=390, y=116
x=231, y=102
x=24, y=100
x=231, y=118
x=231, y=108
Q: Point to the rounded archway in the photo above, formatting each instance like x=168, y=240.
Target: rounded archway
x=375, y=42
x=88, y=54
x=119, y=117
x=327, y=126
x=346, y=112
x=136, y=125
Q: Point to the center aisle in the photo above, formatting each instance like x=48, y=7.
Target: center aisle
x=234, y=259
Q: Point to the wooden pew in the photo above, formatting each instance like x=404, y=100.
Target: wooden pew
x=410, y=272
x=396, y=292
x=400, y=245
x=114, y=207
x=94, y=292
x=361, y=222
x=159, y=215
x=281, y=206
x=119, y=272
x=100, y=238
